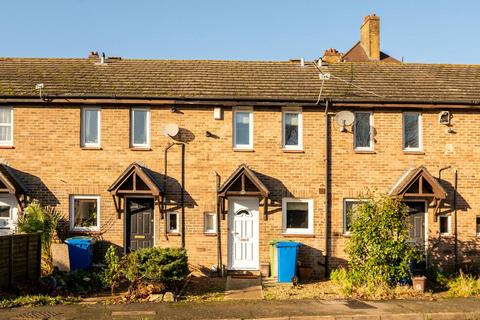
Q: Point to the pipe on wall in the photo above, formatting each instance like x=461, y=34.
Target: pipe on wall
x=327, y=189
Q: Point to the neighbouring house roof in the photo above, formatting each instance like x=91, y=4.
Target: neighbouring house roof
x=418, y=182
x=357, y=54
x=10, y=182
x=243, y=181
x=239, y=80
x=137, y=178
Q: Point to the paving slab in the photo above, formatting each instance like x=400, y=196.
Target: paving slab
x=243, y=289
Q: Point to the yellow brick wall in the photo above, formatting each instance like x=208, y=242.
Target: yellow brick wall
x=47, y=150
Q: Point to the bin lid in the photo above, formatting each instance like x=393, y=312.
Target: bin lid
x=80, y=239
x=284, y=244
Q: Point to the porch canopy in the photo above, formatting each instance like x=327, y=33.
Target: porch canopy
x=418, y=183
x=243, y=182
x=136, y=180
x=11, y=184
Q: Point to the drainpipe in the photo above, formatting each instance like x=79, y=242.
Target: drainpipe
x=327, y=187
x=182, y=196
x=455, y=218
x=219, y=237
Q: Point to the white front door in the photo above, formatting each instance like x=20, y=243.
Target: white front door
x=243, y=233
x=8, y=212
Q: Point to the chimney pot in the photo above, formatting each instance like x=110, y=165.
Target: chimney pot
x=332, y=56
x=93, y=55
x=370, y=36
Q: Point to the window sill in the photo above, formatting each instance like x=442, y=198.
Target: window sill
x=413, y=152
x=210, y=234
x=347, y=235
x=365, y=151
x=298, y=235
x=7, y=147
x=174, y=234
x=293, y=150
x=91, y=148
x=446, y=235
x=84, y=230
x=140, y=149
x=243, y=150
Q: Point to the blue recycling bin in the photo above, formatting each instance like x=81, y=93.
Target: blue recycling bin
x=80, y=252
x=287, y=260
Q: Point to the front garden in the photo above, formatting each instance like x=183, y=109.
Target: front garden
x=379, y=268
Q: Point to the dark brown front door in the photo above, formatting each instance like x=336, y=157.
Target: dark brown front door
x=139, y=223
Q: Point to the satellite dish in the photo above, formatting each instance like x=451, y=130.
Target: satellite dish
x=170, y=129
x=344, y=118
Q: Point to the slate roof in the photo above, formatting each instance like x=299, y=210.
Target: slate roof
x=239, y=80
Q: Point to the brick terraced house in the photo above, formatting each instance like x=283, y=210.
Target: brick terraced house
x=267, y=147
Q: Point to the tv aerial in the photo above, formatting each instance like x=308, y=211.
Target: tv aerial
x=170, y=129
x=343, y=119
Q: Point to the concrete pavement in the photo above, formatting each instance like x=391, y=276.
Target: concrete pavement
x=458, y=308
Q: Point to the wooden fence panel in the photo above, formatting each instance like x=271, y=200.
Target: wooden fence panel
x=20, y=258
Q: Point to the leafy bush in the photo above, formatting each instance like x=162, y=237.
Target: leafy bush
x=38, y=218
x=112, y=274
x=379, y=250
x=78, y=282
x=165, y=267
x=463, y=286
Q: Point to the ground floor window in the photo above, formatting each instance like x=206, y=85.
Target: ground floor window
x=210, y=225
x=172, y=222
x=297, y=216
x=478, y=225
x=84, y=213
x=4, y=211
x=349, y=206
x=444, y=222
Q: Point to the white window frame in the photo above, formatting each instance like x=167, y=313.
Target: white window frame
x=345, y=200
x=132, y=128
x=372, y=140
x=9, y=142
x=99, y=127
x=72, y=213
x=477, y=233
x=298, y=111
x=248, y=146
x=449, y=217
x=177, y=230
x=305, y=231
x=214, y=230
x=420, y=131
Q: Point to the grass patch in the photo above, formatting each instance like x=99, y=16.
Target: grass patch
x=35, y=300
x=309, y=290
x=463, y=285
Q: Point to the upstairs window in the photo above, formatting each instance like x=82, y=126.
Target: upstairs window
x=412, y=131
x=297, y=216
x=362, y=131
x=292, y=129
x=90, y=127
x=140, y=128
x=243, y=129
x=6, y=126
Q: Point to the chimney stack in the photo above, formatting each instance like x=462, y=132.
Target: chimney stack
x=370, y=36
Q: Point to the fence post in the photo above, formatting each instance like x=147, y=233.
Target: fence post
x=10, y=262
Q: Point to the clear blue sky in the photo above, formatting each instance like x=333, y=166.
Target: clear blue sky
x=418, y=30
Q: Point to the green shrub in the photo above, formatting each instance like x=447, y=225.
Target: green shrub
x=379, y=248
x=34, y=300
x=165, y=267
x=112, y=273
x=38, y=218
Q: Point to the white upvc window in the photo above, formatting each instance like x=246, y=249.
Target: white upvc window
x=445, y=225
x=140, y=128
x=363, y=131
x=349, y=207
x=6, y=126
x=243, y=128
x=292, y=129
x=210, y=222
x=84, y=213
x=172, y=222
x=297, y=216
x=91, y=127
x=412, y=131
